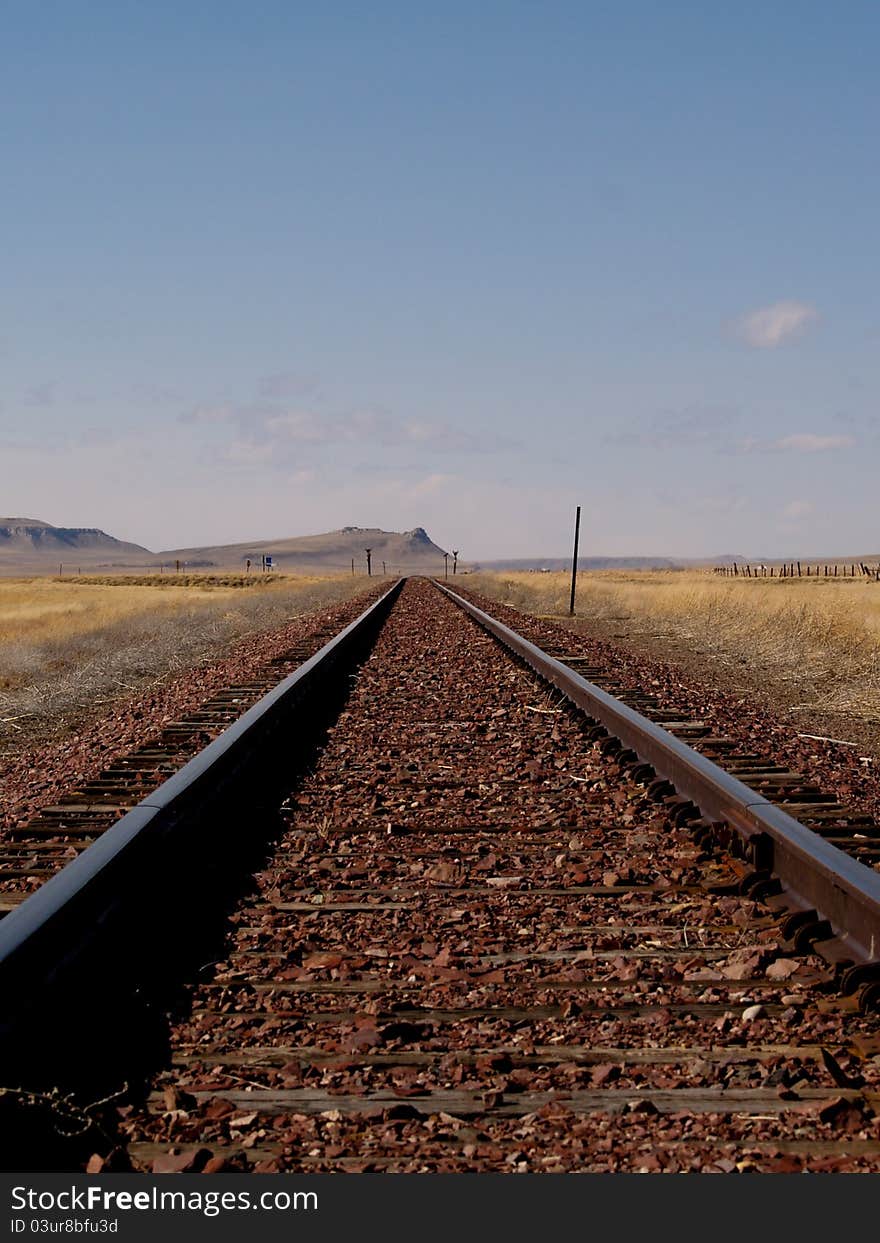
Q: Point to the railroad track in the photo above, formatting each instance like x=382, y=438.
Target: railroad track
x=34, y=849
x=436, y=904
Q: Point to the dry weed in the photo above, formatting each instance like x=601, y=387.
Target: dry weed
x=66, y=646
x=820, y=637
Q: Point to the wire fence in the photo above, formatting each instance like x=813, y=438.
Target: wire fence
x=798, y=569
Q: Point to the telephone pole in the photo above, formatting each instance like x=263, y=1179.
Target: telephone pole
x=574, y=560
x=369, y=553
x=446, y=563
x=454, y=560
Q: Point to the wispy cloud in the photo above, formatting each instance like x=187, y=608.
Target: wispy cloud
x=798, y=442
x=866, y=424
x=366, y=426
x=768, y=327
x=41, y=394
x=79, y=440
x=430, y=485
x=265, y=430
x=808, y=442
x=699, y=424
x=151, y=394
x=248, y=453
x=424, y=489
x=304, y=427
x=284, y=385
x=206, y=414
x=725, y=501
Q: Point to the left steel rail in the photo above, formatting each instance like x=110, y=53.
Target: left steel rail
x=155, y=855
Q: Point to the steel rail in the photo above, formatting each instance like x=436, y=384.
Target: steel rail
x=816, y=875
x=44, y=939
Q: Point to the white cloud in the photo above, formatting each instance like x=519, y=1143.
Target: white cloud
x=266, y=421
x=248, y=453
x=266, y=425
x=808, y=442
x=152, y=394
x=798, y=442
x=430, y=485
x=301, y=426
x=286, y=384
x=41, y=394
x=691, y=425
x=770, y=326
x=209, y=414
x=798, y=509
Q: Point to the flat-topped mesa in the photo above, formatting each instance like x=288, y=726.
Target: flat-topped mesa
x=31, y=545
x=42, y=532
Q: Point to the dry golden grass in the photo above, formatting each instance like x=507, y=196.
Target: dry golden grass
x=819, y=637
x=66, y=644
x=40, y=610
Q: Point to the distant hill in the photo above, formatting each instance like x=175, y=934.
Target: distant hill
x=409, y=551
x=30, y=546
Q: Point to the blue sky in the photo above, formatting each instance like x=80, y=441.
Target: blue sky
x=277, y=268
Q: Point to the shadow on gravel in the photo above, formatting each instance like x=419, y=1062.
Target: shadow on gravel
x=80, y=1040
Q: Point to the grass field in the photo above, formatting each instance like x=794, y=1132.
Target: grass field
x=67, y=643
x=817, y=638
x=54, y=616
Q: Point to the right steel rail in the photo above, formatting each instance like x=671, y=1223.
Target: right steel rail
x=816, y=875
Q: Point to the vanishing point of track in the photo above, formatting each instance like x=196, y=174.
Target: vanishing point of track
x=440, y=918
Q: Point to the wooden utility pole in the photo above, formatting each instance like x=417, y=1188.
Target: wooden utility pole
x=446, y=563
x=369, y=553
x=383, y=569
x=352, y=565
x=574, y=560
x=454, y=560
